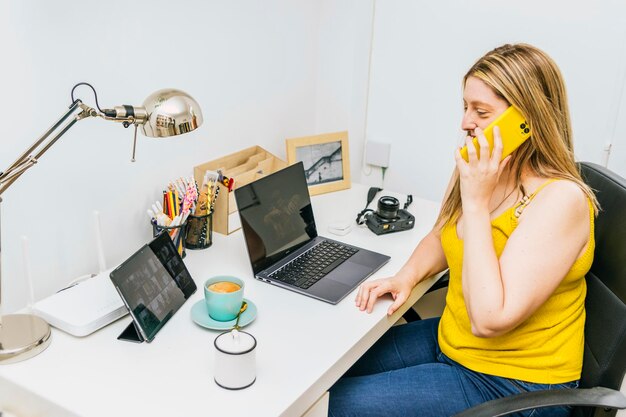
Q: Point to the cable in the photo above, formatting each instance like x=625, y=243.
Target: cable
x=615, y=110
x=94, y=94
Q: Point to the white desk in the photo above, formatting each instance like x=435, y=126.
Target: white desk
x=304, y=345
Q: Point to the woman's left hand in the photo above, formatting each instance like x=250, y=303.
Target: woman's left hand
x=480, y=174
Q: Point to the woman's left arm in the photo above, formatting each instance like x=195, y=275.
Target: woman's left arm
x=501, y=293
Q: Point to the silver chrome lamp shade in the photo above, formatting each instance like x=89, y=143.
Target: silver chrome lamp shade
x=170, y=113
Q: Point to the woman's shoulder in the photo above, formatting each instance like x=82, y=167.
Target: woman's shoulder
x=559, y=194
x=559, y=209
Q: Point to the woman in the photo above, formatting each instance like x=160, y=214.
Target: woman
x=517, y=236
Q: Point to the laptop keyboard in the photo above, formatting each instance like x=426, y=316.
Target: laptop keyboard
x=313, y=264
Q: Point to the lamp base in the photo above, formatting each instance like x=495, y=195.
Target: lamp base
x=22, y=336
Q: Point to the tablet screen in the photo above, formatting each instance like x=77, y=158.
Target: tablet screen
x=153, y=283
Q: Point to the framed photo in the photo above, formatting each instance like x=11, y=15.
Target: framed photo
x=325, y=159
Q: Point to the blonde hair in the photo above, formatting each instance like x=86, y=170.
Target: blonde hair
x=528, y=79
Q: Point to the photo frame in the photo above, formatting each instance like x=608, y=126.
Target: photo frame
x=325, y=158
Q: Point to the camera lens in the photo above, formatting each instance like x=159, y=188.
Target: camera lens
x=388, y=207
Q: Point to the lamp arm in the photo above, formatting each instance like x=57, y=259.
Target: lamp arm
x=32, y=154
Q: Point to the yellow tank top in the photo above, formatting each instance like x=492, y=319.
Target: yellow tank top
x=546, y=348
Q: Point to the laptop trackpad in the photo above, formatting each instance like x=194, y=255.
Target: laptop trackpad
x=349, y=273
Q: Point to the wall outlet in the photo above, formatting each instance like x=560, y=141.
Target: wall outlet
x=377, y=153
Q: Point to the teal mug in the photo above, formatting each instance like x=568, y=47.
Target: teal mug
x=223, y=296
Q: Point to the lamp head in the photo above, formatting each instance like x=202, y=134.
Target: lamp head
x=170, y=112
x=164, y=113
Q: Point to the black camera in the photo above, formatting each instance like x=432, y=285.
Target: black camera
x=389, y=217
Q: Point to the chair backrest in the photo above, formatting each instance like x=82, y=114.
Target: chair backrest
x=604, y=362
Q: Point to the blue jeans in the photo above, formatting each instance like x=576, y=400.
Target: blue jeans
x=406, y=374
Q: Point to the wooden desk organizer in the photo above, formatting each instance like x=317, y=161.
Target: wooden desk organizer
x=244, y=167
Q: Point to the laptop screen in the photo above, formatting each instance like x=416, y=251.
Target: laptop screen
x=276, y=216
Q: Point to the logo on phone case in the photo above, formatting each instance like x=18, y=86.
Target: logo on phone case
x=524, y=127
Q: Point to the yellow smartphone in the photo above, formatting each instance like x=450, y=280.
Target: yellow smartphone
x=514, y=130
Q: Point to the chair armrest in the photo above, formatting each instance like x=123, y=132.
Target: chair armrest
x=592, y=397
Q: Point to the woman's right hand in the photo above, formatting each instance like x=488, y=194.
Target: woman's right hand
x=369, y=292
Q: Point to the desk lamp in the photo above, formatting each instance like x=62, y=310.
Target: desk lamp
x=164, y=113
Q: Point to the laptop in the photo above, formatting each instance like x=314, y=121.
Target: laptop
x=284, y=247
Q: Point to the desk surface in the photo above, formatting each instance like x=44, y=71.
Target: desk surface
x=304, y=345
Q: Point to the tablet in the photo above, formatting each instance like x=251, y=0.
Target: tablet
x=153, y=283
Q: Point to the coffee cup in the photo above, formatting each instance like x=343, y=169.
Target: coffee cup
x=235, y=360
x=223, y=296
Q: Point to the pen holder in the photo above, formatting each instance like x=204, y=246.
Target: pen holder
x=199, y=232
x=177, y=234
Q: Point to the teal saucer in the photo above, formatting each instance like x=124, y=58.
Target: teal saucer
x=200, y=316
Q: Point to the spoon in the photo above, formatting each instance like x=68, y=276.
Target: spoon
x=244, y=306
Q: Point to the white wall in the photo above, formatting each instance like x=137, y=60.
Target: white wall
x=421, y=51
x=252, y=66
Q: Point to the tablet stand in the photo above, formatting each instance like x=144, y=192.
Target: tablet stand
x=131, y=334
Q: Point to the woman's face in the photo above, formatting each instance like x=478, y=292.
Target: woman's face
x=482, y=105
